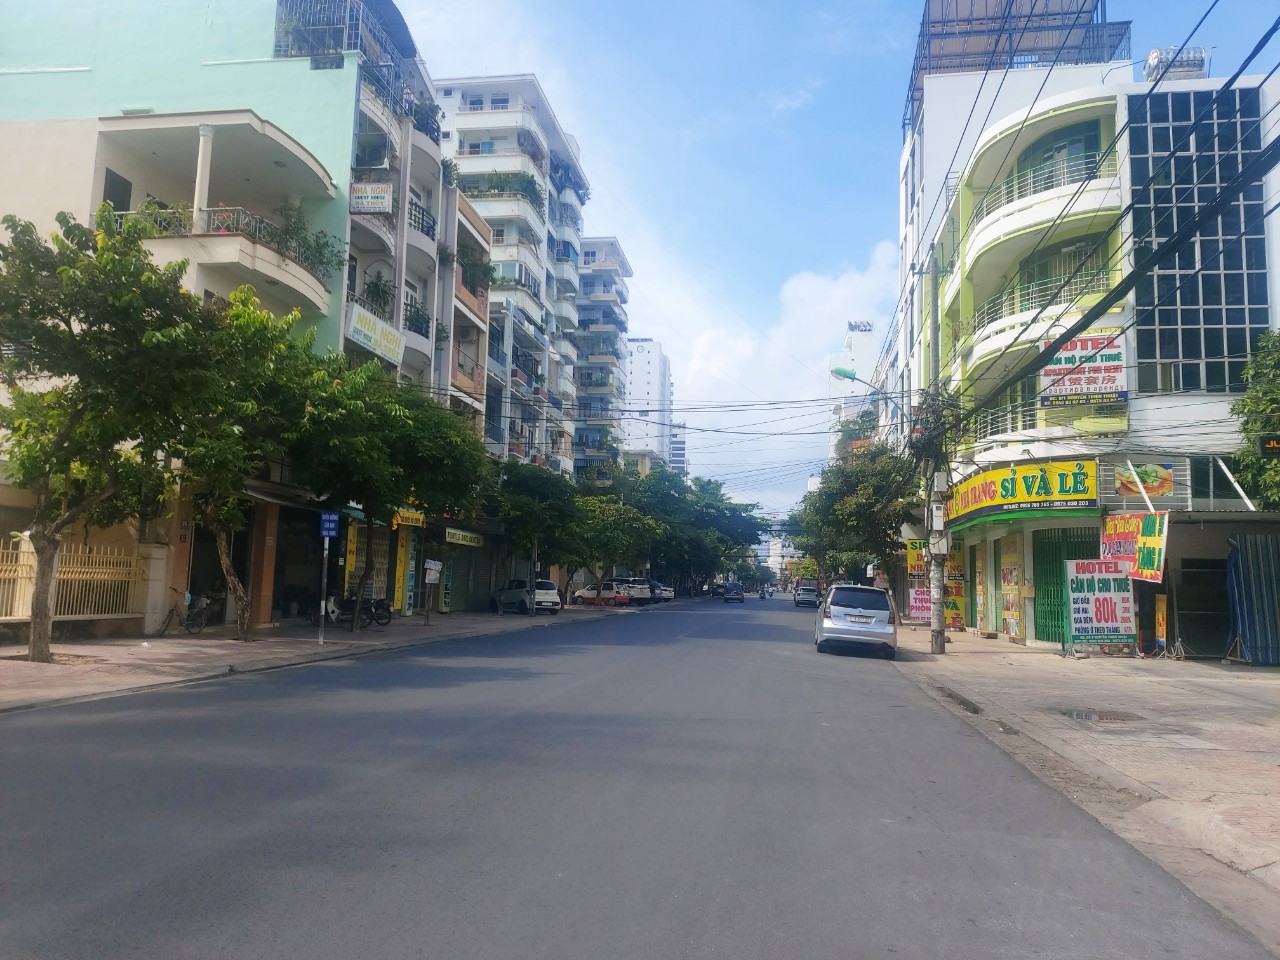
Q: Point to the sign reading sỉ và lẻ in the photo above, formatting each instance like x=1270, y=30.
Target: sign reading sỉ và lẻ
x=1087, y=370
x=1055, y=485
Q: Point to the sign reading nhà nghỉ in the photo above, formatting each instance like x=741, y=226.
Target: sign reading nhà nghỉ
x=463, y=537
x=376, y=336
x=371, y=198
x=1055, y=485
x=1087, y=370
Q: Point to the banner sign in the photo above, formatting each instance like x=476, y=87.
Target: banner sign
x=374, y=335
x=1269, y=446
x=953, y=604
x=1056, y=485
x=921, y=604
x=1120, y=538
x=1087, y=370
x=371, y=198
x=917, y=560
x=329, y=523
x=1100, y=611
x=464, y=537
x=408, y=518
x=1155, y=478
x=1152, y=539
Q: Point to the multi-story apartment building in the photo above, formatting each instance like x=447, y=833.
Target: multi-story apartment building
x=599, y=342
x=646, y=425
x=1046, y=209
x=285, y=144
x=679, y=454
x=521, y=172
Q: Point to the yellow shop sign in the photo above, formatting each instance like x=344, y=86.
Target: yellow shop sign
x=1056, y=485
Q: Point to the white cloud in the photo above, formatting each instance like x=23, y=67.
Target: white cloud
x=794, y=99
x=780, y=353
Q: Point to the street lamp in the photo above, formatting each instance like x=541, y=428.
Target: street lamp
x=844, y=373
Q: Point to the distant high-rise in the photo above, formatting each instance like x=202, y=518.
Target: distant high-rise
x=649, y=399
x=679, y=461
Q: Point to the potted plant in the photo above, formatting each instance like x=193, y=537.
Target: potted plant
x=378, y=290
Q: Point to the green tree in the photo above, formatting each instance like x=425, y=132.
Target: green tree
x=1259, y=413
x=254, y=396
x=101, y=345
x=610, y=532
x=380, y=445
x=538, y=509
x=857, y=513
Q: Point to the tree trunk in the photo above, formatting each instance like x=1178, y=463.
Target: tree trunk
x=365, y=574
x=46, y=550
x=244, y=617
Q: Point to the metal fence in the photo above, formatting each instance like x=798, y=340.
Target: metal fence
x=92, y=581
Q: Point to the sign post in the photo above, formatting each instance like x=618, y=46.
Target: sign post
x=328, y=529
x=430, y=576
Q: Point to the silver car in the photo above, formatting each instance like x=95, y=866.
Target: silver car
x=856, y=618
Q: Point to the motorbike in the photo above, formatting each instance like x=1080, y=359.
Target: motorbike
x=762, y=594
x=381, y=608
x=339, y=612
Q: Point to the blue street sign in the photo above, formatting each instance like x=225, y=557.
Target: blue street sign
x=329, y=524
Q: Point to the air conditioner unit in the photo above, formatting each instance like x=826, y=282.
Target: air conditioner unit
x=467, y=334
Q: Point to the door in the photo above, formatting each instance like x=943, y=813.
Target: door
x=1051, y=549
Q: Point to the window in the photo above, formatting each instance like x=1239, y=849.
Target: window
x=500, y=101
x=117, y=191
x=475, y=103
x=1081, y=139
x=499, y=235
x=588, y=257
x=447, y=92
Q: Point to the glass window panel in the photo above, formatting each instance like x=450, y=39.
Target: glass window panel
x=1228, y=167
x=1168, y=343
x=1138, y=140
x=1139, y=169
x=1257, y=284
x=1232, y=255
x=1183, y=169
x=1191, y=344
x=1147, y=344
x=1235, y=375
x=1235, y=317
x=1249, y=106
x=1213, y=343
x=1191, y=376
x=1158, y=108
x=1166, y=317
x=1211, y=317
x=1215, y=376
x=1251, y=137
x=1233, y=289
x=1237, y=342
x=1255, y=337
x=1162, y=196
x=1137, y=109
x=1209, y=247
x=1228, y=135
x=1210, y=288
x=1167, y=288
x=1206, y=194
x=1255, y=253
x=1148, y=378
x=1253, y=193
x=1186, y=258
x=1202, y=477
x=1160, y=140
x=1181, y=103
x=1146, y=318
x=1144, y=293
x=1259, y=317
x=1141, y=222
x=1189, y=291
x=1201, y=100
x=1253, y=219
x=1182, y=137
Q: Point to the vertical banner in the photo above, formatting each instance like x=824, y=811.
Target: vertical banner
x=1100, y=611
x=1162, y=619
x=403, y=570
x=917, y=560
x=349, y=563
x=921, y=604
x=1152, y=539
x=1011, y=585
x=980, y=590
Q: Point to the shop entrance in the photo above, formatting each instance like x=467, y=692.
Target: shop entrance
x=299, y=556
x=1051, y=549
x=205, y=576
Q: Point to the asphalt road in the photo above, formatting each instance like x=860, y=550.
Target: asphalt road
x=693, y=781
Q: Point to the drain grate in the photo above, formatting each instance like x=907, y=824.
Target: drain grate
x=1100, y=716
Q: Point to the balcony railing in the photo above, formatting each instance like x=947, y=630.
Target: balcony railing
x=1010, y=418
x=497, y=355
x=1047, y=176
x=368, y=305
x=493, y=432
x=302, y=249
x=555, y=401
x=421, y=219
x=417, y=320
x=1042, y=293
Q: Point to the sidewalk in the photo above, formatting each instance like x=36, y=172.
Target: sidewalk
x=92, y=668
x=1194, y=746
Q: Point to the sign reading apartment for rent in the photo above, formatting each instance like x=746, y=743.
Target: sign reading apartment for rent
x=1087, y=370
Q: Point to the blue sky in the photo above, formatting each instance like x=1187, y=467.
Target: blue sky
x=746, y=154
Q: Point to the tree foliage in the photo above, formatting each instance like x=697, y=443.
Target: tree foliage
x=100, y=343
x=1259, y=413
x=856, y=515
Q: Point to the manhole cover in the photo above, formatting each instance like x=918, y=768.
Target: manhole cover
x=1100, y=716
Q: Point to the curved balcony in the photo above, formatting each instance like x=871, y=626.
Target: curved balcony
x=422, y=238
x=1041, y=179
x=565, y=310
x=1010, y=232
x=508, y=206
x=1003, y=327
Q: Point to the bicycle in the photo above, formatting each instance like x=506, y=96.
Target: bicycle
x=193, y=618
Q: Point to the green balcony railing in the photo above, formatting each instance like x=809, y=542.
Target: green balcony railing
x=1042, y=293
x=1046, y=176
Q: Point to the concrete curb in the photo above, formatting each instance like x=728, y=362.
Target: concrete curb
x=301, y=659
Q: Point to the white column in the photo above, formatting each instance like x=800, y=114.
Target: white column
x=204, y=157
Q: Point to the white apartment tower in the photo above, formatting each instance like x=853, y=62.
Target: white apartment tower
x=600, y=341
x=647, y=426
x=521, y=172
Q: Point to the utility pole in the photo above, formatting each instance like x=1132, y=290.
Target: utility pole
x=938, y=478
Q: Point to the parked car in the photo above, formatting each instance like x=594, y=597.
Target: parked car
x=642, y=591
x=601, y=595
x=717, y=589
x=518, y=597
x=807, y=595
x=859, y=618
x=666, y=593
x=733, y=591
x=546, y=597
